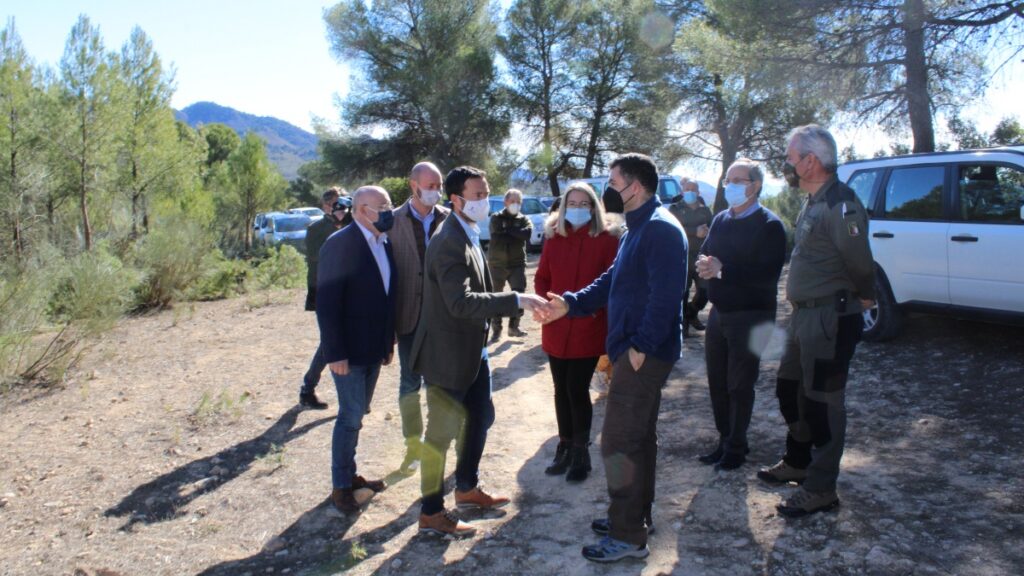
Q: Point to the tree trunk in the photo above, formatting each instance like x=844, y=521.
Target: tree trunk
x=595, y=132
x=83, y=204
x=918, y=105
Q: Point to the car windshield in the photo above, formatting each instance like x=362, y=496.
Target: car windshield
x=532, y=206
x=291, y=224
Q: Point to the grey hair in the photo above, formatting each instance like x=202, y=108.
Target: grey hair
x=755, y=172
x=813, y=139
x=513, y=192
x=358, y=197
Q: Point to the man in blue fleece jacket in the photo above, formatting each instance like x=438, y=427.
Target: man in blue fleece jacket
x=643, y=291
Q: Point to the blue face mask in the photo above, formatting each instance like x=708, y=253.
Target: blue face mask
x=577, y=216
x=735, y=194
x=385, y=220
x=690, y=197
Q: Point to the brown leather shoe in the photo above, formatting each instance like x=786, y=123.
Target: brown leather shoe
x=375, y=485
x=444, y=524
x=344, y=500
x=477, y=498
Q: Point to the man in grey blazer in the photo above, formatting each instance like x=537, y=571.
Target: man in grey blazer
x=449, y=350
x=416, y=222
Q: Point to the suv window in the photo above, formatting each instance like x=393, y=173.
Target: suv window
x=668, y=190
x=863, y=184
x=532, y=206
x=990, y=193
x=915, y=193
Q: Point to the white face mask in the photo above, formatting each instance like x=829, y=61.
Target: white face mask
x=476, y=210
x=735, y=194
x=430, y=197
x=513, y=209
x=577, y=216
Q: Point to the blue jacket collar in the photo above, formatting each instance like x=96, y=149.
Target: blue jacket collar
x=642, y=214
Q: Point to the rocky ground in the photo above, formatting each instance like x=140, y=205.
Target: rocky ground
x=177, y=448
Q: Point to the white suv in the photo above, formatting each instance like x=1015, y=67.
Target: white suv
x=947, y=234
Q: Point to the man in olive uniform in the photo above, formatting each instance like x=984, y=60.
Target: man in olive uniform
x=336, y=204
x=831, y=282
x=695, y=217
x=506, y=256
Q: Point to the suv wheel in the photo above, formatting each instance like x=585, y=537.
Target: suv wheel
x=882, y=322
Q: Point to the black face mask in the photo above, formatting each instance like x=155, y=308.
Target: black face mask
x=385, y=220
x=612, y=201
x=789, y=173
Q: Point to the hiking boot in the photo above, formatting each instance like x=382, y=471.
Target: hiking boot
x=561, y=461
x=344, y=500
x=612, y=550
x=602, y=527
x=730, y=461
x=444, y=524
x=495, y=335
x=804, y=502
x=579, y=464
x=375, y=485
x=477, y=498
x=309, y=400
x=781, y=473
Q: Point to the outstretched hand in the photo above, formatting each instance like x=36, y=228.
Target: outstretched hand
x=555, y=308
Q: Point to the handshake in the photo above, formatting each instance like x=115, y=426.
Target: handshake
x=544, y=311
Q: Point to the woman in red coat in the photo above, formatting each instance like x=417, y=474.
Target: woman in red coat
x=579, y=246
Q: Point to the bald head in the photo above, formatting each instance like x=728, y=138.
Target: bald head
x=425, y=183
x=424, y=168
x=367, y=203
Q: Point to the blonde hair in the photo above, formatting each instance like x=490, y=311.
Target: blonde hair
x=556, y=222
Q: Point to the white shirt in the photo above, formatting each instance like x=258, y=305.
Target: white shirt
x=379, y=254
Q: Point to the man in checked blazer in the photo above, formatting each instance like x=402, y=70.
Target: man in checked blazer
x=449, y=350
x=416, y=222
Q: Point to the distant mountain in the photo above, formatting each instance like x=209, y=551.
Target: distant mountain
x=288, y=146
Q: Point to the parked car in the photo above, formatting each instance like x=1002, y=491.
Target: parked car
x=947, y=233
x=670, y=189
x=313, y=212
x=532, y=208
x=285, y=228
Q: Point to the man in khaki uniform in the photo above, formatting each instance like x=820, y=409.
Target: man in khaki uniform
x=831, y=282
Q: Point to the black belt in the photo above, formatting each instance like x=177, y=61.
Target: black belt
x=814, y=303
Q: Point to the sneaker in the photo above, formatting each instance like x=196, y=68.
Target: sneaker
x=781, y=473
x=445, y=524
x=612, y=550
x=477, y=498
x=309, y=400
x=804, y=502
x=375, y=485
x=602, y=527
x=344, y=500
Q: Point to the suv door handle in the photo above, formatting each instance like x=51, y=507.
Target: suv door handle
x=883, y=235
x=964, y=238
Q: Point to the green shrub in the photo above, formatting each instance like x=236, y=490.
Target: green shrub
x=398, y=189
x=24, y=295
x=222, y=278
x=172, y=261
x=283, y=267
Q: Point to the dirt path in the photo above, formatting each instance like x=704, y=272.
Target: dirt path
x=177, y=448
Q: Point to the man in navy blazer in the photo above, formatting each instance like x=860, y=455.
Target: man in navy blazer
x=355, y=308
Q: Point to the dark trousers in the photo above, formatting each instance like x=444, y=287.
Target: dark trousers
x=409, y=384
x=447, y=411
x=573, y=409
x=815, y=410
x=515, y=276
x=700, y=294
x=629, y=444
x=733, y=345
x=316, y=368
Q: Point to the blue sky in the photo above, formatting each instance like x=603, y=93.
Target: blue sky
x=271, y=58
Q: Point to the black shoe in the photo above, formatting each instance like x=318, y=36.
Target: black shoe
x=495, y=335
x=601, y=526
x=515, y=332
x=561, y=462
x=697, y=324
x=712, y=457
x=730, y=461
x=309, y=400
x=579, y=464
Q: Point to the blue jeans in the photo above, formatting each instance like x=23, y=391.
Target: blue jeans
x=355, y=391
x=409, y=384
x=447, y=411
x=316, y=367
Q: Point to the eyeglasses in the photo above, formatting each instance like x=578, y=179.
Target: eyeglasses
x=726, y=181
